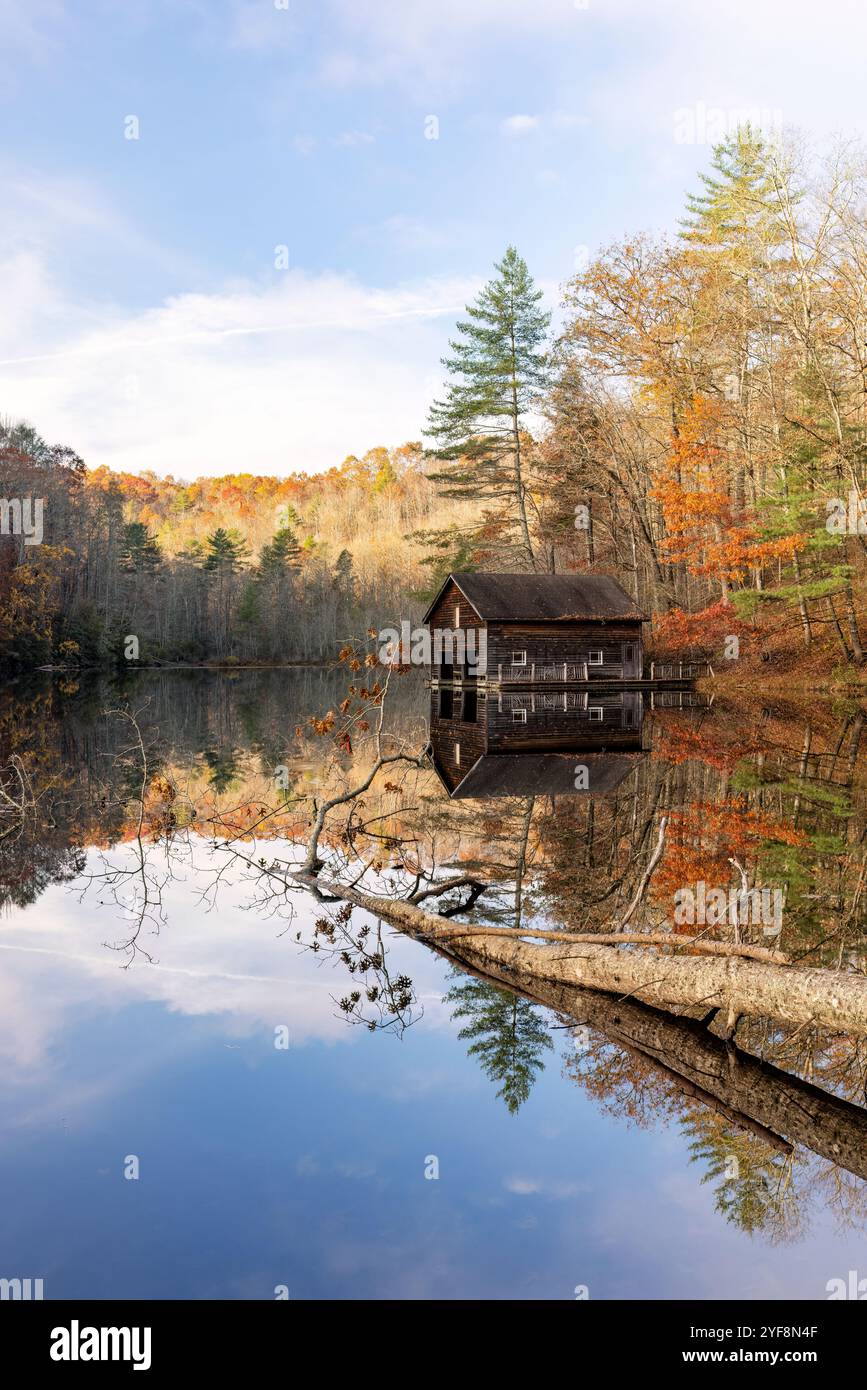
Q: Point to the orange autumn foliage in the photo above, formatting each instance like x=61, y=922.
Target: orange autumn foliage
x=677, y=631
x=703, y=532
x=702, y=840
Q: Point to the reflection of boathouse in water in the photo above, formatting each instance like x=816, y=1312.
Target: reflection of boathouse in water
x=534, y=742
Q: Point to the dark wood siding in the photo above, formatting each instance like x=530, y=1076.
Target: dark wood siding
x=547, y=644
x=552, y=644
x=443, y=618
x=457, y=721
x=548, y=718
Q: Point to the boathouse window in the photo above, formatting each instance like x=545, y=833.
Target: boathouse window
x=594, y=658
x=519, y=658
x=457, y=615
x=629, y=653
x=458, y=754
x=519, y=716
x=596, y=711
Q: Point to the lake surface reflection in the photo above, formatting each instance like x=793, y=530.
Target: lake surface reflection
x=163, y=1009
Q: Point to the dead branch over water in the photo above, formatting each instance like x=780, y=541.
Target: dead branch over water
x=734, y=985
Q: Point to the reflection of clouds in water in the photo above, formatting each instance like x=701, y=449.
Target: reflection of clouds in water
x=521, y=1186
x=231, y=962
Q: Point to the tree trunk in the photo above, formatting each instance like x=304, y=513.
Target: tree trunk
x=852, y=624
x=802, y=607
x=792, y=994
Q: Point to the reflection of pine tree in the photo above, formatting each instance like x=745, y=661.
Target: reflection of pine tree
x=224, y=768
x=508, y=1036
x=761, y=1197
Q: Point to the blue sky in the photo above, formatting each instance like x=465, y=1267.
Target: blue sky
x=145, y=320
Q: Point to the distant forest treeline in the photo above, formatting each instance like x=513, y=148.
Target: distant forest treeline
x=698, y=428
x=234, y=568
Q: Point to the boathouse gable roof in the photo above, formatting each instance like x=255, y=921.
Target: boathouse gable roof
x=512, y=598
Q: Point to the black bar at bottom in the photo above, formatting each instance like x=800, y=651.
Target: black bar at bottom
x=83, y=1338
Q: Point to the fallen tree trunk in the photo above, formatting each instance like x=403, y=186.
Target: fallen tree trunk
x=672, y=940
x=734, y=985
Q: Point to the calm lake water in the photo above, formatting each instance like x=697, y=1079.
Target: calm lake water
x=562, y=1160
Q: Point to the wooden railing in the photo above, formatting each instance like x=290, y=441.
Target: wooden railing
x=679, y=670
x=536, y=672
x=679, y=699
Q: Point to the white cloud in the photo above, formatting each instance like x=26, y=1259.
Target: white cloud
x=288, y=372
x=772, y=57
x=543, y=1187
x=558, y=120
x=418, y=234
x=349, y=139
x=632, y=63
x=519, y=125
x=291, y=374
x=58, y=215
x=568, y=120
x=373, y=43
x=252, y=24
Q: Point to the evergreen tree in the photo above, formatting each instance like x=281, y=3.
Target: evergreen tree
x=225, y=554
x=139, y=551
x=249, y=613
x=344, y=578
x=193, y=553
x=280, y=556
x=453, y=553
x=737, y=213
x=497, y=371
x=226, y=551
x=507, y=1036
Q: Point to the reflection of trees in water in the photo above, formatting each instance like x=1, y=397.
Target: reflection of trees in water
x=774, y=1145
x=223, y=769
x=87, y=780
x=774, y=1097
x=28, y=866
x=506, y=1034
x=756, y=1187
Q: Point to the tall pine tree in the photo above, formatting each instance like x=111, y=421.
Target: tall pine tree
x=497, y=370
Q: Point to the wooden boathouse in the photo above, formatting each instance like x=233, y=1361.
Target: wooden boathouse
x=529, y=629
